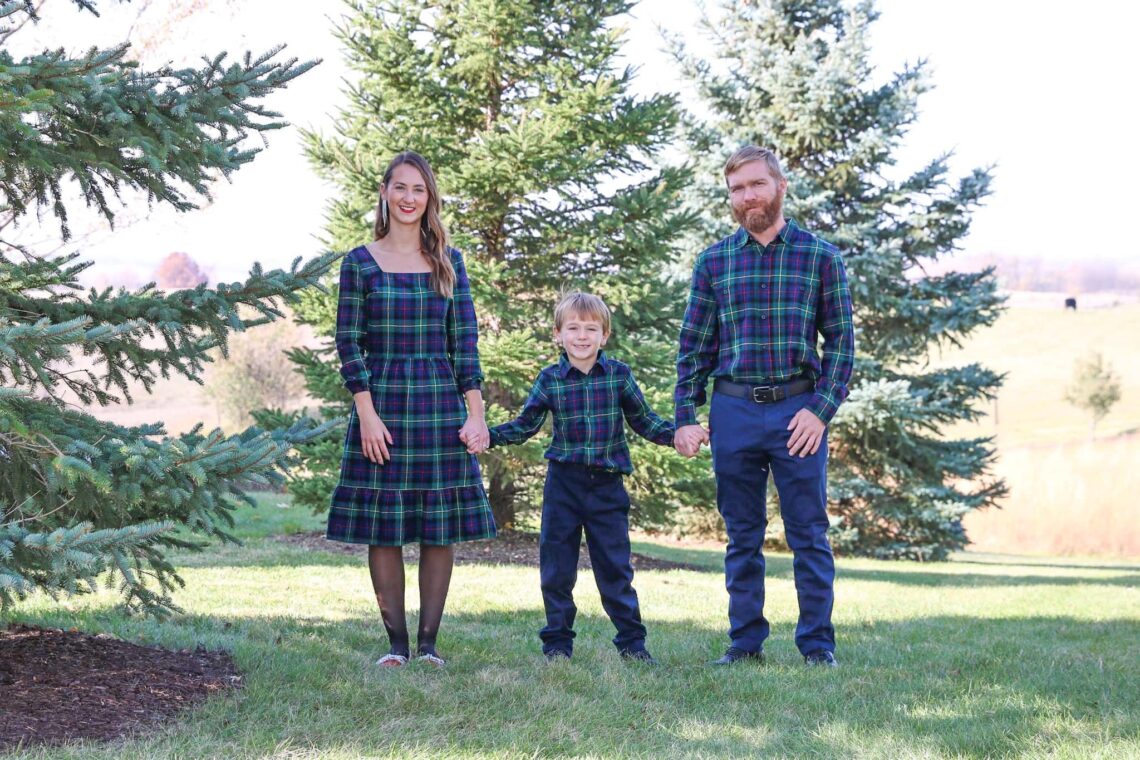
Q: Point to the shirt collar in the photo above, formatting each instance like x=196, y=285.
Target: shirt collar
x=742, y=238
x=564, y=365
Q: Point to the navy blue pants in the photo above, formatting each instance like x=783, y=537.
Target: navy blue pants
x=748, y=439
x=578, y=498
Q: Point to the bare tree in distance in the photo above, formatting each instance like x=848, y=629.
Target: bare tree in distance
x=179, y=270
x=257, y=374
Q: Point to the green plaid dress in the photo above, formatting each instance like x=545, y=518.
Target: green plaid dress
x=417, y=353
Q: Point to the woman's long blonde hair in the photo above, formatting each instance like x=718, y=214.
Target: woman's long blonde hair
x=433, y=235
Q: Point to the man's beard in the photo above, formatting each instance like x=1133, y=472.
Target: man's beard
x=760, y=215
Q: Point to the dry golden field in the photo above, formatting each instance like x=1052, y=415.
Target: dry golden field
x=1069, y=495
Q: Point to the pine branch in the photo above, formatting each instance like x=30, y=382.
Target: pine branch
x=107, y=125
x=39, y=325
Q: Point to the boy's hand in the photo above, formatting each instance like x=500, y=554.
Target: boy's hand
x=688, y=439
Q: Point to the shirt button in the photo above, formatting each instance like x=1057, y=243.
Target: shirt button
x=763, y=285
x=763, y=316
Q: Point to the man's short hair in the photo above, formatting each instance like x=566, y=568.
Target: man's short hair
x=750, y=153
x=585, y=305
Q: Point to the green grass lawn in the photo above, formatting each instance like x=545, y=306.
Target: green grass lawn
x=979, y=657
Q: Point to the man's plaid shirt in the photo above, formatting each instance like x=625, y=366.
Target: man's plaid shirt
x=588, y=414
x=753, y=317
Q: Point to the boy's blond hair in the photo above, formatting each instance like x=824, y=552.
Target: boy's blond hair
x=585, y=305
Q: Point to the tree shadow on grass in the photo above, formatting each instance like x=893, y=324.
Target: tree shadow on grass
x=950, y=578
x=1058, y=563
x=942, y=685
x=270, y=553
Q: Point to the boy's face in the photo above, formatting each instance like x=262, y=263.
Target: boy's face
x=581, y=336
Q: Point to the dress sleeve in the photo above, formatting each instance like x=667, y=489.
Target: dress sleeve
x=351, y=326
x=463, y=330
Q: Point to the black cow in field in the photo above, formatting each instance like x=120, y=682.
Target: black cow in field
x=1071, y=303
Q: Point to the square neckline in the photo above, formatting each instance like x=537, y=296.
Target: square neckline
x=381, y=269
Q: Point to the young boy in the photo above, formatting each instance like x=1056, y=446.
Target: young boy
x=587, y=393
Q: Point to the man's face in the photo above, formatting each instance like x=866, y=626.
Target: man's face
x=756, y=195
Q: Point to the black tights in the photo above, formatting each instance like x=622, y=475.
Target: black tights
x=386, y=566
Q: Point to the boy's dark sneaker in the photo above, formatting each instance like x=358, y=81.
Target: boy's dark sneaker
x=554, y=655
x=734, y=655
x=822, y=658
x=638, y=655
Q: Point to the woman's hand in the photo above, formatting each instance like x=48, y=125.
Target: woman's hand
x=374, y=437
x=475, y=434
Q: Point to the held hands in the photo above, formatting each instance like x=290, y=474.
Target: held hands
x=475, y=434
x=807, y=433
x=688, y=439
x=374, y=438
x=806, y=436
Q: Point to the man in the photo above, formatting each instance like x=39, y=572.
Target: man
x=758, y=299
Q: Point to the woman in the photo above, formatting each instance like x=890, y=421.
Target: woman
x=407, y=339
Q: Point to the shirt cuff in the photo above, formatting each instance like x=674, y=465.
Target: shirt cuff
x=822, y=407
x=471, y=384
x=686, y=415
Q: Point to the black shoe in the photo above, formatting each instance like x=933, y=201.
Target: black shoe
x=638, y=655
x=735, y=655
x=554, y=655
x=822, y=658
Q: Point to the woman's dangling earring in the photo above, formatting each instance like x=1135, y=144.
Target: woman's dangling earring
x=384, y=211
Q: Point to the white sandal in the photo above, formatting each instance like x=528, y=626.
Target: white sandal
x=392, y=660
x=432, y=659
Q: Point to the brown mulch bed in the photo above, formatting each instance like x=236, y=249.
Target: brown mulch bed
x=510, y=548
x=58, y=686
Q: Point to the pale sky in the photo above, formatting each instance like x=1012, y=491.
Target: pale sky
x=1046, y=91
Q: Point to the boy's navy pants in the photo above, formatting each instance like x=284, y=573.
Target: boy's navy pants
x=577, y=498
x=748, y=439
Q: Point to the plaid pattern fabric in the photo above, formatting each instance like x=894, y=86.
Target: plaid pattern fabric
x=587, y=412
x=416, y=352
x=753, y=316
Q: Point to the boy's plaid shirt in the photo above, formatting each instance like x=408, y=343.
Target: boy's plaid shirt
x=587, y=412
x=753, y=315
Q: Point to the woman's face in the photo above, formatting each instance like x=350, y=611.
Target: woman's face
x=407, y=195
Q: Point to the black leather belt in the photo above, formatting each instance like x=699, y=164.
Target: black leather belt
x=763, y=394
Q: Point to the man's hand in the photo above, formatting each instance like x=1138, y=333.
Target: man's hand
x=807, y=432
x=688, y=439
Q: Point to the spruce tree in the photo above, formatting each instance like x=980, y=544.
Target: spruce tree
x=547, y=168
x=81, y=496
x=794, y=75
